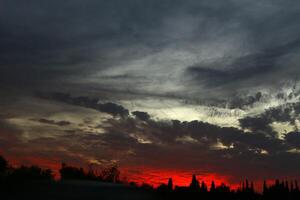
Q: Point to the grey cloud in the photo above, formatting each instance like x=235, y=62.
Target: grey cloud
x=53, y=122
x=283, y=113
x=52, y=40
x=242, y=69
x=240, y=102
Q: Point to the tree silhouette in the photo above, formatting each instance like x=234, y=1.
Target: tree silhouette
x=296, y=186
x=265, y=188
x=170, y=184
x=203, y=187
x=212, y=187
x=31, y=173
x=3, y=165
x=195, y=183
x=111, y=174
x=71, y=173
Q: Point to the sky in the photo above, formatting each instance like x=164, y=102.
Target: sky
x=160, y=88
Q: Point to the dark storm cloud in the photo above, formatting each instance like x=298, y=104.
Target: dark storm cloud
x=141, y=115
x=245, y=150
x=88, y=102
x=293, y=138
x=260, y=123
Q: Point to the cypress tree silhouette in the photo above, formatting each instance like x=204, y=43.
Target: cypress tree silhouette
x=282, y=185
x=243, y=186
x=296, y=186
x=212, y=187
x=292, y=186
x=276, y=183
x=170, y=184
x=247, y=185
x=265, y=188
x=203, y=187
x=252, y=186
x=287, y=186
x=195, y=183
x=3, y=164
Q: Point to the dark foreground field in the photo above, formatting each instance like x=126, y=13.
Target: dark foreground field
x=74, y=190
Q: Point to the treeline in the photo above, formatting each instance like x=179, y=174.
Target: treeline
x=196, y=190
x=34, y=173
x=15, y=179
x=23, y=173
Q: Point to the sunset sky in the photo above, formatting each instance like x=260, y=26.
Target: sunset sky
x=162, y=88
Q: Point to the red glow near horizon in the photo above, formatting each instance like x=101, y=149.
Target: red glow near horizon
x=140, y=174
x=136, y=174
x=155, y=177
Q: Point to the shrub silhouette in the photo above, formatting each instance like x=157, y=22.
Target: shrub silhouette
x=108, y=174
x=71, y=173
x=31, y=173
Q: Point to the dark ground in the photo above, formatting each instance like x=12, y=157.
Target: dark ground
x=75, y=190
